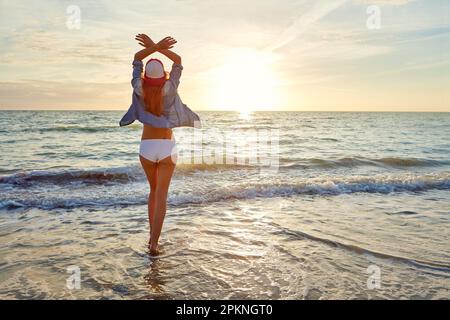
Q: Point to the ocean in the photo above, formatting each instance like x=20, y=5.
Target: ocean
x=263, y=205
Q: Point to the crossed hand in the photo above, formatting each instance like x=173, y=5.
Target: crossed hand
x=145, y=41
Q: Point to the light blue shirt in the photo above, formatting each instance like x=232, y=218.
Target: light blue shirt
x=175, y=113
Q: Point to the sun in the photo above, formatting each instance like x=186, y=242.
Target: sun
x=245, y=82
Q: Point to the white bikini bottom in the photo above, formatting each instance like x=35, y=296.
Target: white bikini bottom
x=156, y=150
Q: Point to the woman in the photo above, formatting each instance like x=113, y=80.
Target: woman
x=157, y=105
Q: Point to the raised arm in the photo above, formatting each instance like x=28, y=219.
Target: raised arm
x=163, y=45
x=148, y=43
x=144, y=53
x=171, y=55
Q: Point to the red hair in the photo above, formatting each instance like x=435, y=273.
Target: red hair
x=153, y=98
x=152, y=89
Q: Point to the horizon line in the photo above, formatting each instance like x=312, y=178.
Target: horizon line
x=236, y=111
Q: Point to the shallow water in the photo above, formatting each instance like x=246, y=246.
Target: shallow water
x=352, y=191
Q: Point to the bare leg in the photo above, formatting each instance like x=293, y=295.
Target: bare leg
x=150, y=169
x=151, y=208
x=164, y=175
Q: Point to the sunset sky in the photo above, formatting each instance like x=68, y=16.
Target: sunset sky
x=237, y=55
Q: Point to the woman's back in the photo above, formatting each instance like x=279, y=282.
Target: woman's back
x=150, y=132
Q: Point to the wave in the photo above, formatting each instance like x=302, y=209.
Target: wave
x=135, y=173
x=96, y=176
x=316, y=187
x=336, y=186
x=361, y=161
x=76, y=129
x=433, y=265
x=100, y=176
x=409, y=162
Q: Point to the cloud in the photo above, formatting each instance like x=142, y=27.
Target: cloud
x=320, y=9
x=314, y=41
x=384, y=2
x=61, y=95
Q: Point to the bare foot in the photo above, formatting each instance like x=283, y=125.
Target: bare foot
x=154, y=251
